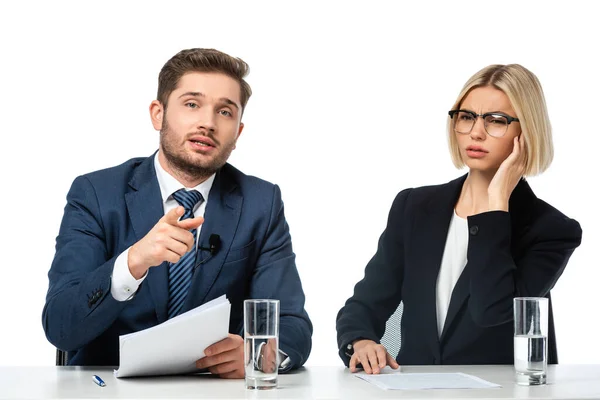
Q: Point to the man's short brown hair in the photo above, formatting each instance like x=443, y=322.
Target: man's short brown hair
x=202, y=60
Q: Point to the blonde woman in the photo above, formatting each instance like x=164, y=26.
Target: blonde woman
x=457, y=254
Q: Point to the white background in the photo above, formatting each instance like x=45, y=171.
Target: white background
x=349, y=108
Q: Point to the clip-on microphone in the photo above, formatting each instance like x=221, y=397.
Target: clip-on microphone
x=214, y=245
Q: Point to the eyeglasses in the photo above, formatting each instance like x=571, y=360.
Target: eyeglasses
x=495, y=124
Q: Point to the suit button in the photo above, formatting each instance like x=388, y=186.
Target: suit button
x=474, y=230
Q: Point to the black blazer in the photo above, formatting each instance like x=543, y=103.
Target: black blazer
x=518, y=253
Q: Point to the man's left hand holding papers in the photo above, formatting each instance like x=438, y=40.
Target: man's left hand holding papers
x=225, y=358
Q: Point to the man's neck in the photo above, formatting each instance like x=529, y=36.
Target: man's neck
x=182, y=177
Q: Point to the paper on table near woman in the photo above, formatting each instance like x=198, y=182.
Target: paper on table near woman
x=174, y=346
x=393, y=380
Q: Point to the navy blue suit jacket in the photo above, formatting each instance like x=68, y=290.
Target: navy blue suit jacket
x=522, y=252
x=108, y=211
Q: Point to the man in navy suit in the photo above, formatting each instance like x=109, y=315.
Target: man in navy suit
x=154, y=237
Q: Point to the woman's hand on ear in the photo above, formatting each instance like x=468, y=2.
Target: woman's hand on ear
x=508, y=176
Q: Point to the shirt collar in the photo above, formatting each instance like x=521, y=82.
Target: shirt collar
x=169, y=185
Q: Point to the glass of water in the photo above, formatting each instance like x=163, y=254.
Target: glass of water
x=531, y=340
x=261, y=347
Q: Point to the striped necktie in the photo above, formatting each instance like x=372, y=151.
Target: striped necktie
x=180, y=273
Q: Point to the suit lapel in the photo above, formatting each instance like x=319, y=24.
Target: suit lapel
x=145, y=208
x=430, y=233
x=460, y=293
x=221, y=217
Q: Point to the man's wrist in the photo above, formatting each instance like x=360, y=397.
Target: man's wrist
x=284, y=360
x=135, y=269
x=124, y=285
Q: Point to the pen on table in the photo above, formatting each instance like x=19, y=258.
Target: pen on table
x=98, y=381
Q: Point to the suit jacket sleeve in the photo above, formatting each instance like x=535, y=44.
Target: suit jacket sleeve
x=79, y=306
x=378, y=294
x=498, y=275
x=276, y=277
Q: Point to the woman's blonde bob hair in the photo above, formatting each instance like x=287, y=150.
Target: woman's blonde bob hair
x=527, y=98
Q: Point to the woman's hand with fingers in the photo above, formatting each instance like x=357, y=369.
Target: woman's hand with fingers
x=372, y=356
x=508, y=176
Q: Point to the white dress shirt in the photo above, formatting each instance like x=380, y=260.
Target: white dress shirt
x=453, y=264
x=123, y=284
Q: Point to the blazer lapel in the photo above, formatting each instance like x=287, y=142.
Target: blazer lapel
x=460, y=293
x=145, y=208
x=430, y=234
x=221, y=217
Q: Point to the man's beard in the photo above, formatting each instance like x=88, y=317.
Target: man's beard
x=182, y=161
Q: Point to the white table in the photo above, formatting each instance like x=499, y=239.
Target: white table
x=565, y=382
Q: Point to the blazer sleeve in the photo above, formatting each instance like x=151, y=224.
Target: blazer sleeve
x=378, y=294
x=79, y=306
x=498, y=275
x=276, y=277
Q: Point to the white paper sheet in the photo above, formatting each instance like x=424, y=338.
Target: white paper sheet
x=174, y=346
x=418, y=381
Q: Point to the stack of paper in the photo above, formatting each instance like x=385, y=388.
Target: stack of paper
x=174, y=346
x=418, y=381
